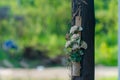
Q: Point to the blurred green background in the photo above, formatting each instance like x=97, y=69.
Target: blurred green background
x=38, y=28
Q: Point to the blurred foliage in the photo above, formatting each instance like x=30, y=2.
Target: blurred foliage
x=37, y=23
x=106, y=48
x=44, y=23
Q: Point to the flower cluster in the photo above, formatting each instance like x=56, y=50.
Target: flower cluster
x=75, y=43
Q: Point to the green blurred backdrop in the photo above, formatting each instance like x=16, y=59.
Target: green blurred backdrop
x=42, y=25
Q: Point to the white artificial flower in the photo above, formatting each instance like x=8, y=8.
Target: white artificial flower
x=75, y=46
x=80, y=28
x=75, y=36
x=75, y=28
x=68, y=43
x=84, y=45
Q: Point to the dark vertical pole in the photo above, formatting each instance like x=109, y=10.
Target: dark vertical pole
x=88, y=24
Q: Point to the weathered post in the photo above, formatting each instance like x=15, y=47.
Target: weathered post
x=86, y=8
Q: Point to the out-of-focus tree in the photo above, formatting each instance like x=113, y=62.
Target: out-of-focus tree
x=106, y=32
x=37, y=22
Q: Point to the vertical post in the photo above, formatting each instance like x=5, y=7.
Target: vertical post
x=119, y=39
x=88, y=24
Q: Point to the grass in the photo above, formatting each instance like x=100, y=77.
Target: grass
x=108, y=78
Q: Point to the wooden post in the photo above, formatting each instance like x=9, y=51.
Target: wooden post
x=88, y=24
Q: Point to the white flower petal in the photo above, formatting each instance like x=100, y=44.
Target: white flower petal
x=73, y=29
x=68, y=43
x=75, y=46
x=75, y=36
x=84, y=45
x=80, y=28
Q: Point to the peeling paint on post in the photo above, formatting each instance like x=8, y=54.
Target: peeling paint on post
x=88, y=23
